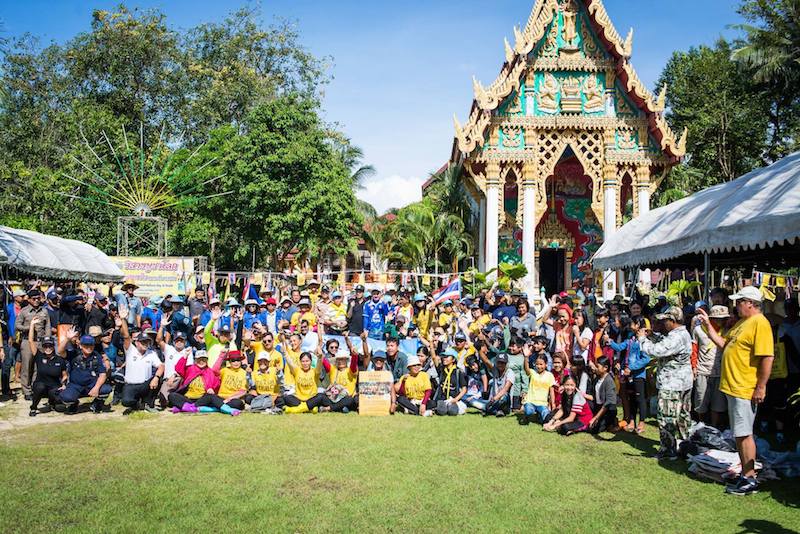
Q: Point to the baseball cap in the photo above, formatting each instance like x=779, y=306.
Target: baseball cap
x=33, y=293
x=286, y=299
x=419, y=297
x=251, y=302
x=180, y=335
x=142, y=337
x=48, y=340
x=501, y=358
x=359, y=287
x=700, y=304
x=200, y=354
x=263, y=355
x=379, y=355
x=87, y=340
x=304, y=302
x=448, y=302
x=460, y=337
x=213, y=301
x=336, y=295
x=673, y=313
x=270, y=301
x=225, y=329
x=500, y=293
x=52, y=295
x=235, y=355
x=95, y=331
x=177, y=299
x=450, y=352
x=748, y=292
x=412, y=361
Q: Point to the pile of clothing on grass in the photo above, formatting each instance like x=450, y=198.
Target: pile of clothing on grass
x=712, y=455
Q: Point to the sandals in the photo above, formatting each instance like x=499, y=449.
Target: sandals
x=630, y=427
x=640, y=428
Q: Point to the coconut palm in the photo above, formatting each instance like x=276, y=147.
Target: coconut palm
x=448, y=193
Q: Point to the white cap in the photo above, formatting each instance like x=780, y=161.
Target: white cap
x=413, y=360
x=263, y=355
x=749, y=293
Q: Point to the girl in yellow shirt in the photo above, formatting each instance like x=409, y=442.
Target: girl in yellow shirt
x=233, y=381
x=306, y=382
x=341, y=393
x=414, y=389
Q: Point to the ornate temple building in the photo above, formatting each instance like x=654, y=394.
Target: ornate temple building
x=563, y=145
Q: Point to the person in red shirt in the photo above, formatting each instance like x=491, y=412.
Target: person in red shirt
x=574, y=413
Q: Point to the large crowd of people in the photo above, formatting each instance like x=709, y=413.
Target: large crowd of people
x=567, y=364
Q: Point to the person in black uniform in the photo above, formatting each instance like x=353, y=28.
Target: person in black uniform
x=87, y=375
x=51, y=370
x=355, y=312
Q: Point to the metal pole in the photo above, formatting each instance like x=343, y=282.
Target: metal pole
x=707, y=275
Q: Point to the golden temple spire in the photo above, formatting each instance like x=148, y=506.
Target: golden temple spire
x=661, y=103
x=680, y=150
x=627, y=46
x=509, y=51
x=519, y=40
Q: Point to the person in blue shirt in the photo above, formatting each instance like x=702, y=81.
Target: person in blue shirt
x=87, y=374
x=375, y=312
x=504, y=308
x=205, y=317
x=179, y=320
x=10, y=344
x=152, y=312
x=251, y=314
x=127, y=300
x=634, y=369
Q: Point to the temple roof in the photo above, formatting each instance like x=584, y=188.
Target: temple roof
x=471, y=135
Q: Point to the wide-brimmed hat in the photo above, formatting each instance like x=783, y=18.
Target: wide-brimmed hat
x=673, y=313
x=234, y=355
x=129, y=284
x=719, y=312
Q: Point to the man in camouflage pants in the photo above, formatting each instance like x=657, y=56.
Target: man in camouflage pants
x=673, y=352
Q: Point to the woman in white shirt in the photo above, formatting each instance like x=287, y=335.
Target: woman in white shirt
x=581, y=334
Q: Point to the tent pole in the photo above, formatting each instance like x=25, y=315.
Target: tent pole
x=707, y=275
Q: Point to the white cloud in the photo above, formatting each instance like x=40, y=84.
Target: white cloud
x=392, y=192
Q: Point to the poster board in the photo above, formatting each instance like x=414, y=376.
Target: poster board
x=374, y=392
x=158, y=276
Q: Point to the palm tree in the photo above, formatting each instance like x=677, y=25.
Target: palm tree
x=448, y=192
x=352, y=156
x=772, y=56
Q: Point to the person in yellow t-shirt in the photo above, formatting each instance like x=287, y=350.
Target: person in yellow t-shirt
x=749, y=351
x=423, y=315
x=265, y=381
x=233, y=381
x=463, y=348
x=414, y=389
x=305, y=314
x=540, y=399
x=343, y=375
x=479, y=319
x=447, y=318
x=291, y=348
x=306, y=383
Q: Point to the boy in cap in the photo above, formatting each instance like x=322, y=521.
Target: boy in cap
x=375, y=312
x=223, y=341
x=452, y=386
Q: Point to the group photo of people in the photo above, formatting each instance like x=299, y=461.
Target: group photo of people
x=569, y=365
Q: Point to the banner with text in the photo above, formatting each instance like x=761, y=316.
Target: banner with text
x=158, y=276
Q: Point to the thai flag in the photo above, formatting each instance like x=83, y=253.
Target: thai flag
x=449, y=292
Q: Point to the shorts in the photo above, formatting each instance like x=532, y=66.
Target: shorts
x=742, y=415
x=707, y=395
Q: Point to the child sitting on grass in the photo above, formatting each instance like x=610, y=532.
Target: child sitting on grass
x=574, y=414
x=539, y=400
x=605, y=399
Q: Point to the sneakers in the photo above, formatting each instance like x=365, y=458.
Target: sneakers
x=666, y=455
x=151, y=409
x=743, y=486
x=428, y=413
x=345, y=410
x=32, y=413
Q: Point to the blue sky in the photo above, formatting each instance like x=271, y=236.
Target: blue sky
x=401, y=69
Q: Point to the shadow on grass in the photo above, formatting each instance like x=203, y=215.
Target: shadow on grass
x=758, y=526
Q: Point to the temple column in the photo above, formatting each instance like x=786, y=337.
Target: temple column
x=529, y=228
x=492, y=214
x=610, y=209
x=482, y=236
x=643, y=188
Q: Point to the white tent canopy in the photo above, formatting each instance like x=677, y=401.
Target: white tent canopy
x=760, y=209
x=56, y=258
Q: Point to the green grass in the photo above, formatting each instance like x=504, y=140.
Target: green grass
x=314, y=473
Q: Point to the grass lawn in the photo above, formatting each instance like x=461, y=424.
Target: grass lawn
x=314, y=473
